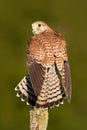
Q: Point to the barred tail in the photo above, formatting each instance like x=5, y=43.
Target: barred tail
x=25, y=91
x=52, y=92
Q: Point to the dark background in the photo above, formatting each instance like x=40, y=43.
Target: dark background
x=66, y=16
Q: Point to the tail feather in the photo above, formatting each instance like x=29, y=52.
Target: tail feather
x=51, y=93
x=25, y=91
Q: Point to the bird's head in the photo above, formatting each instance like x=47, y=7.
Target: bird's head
x=39, y=27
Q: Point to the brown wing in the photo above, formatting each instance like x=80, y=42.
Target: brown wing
x=63, y=65
x=67, y=84
x=35, y=55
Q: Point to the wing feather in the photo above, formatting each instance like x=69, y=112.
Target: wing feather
x=35, y=54
x=37, y=75
x=63, y=66
x=67, y=84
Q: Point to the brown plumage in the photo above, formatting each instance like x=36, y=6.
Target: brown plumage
x=48, y=67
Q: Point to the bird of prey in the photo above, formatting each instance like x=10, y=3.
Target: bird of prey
x=48, y=81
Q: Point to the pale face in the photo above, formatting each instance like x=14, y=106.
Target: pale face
x=39, y=27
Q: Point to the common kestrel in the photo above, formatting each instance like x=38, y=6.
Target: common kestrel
x=48, y=81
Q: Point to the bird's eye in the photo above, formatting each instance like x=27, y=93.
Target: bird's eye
x=39, y=25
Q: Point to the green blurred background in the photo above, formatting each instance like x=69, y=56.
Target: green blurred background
x=68, y=17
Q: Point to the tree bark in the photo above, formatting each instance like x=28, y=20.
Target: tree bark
x=38, y=118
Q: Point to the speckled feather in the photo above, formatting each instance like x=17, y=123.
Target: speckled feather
x=43, y=51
